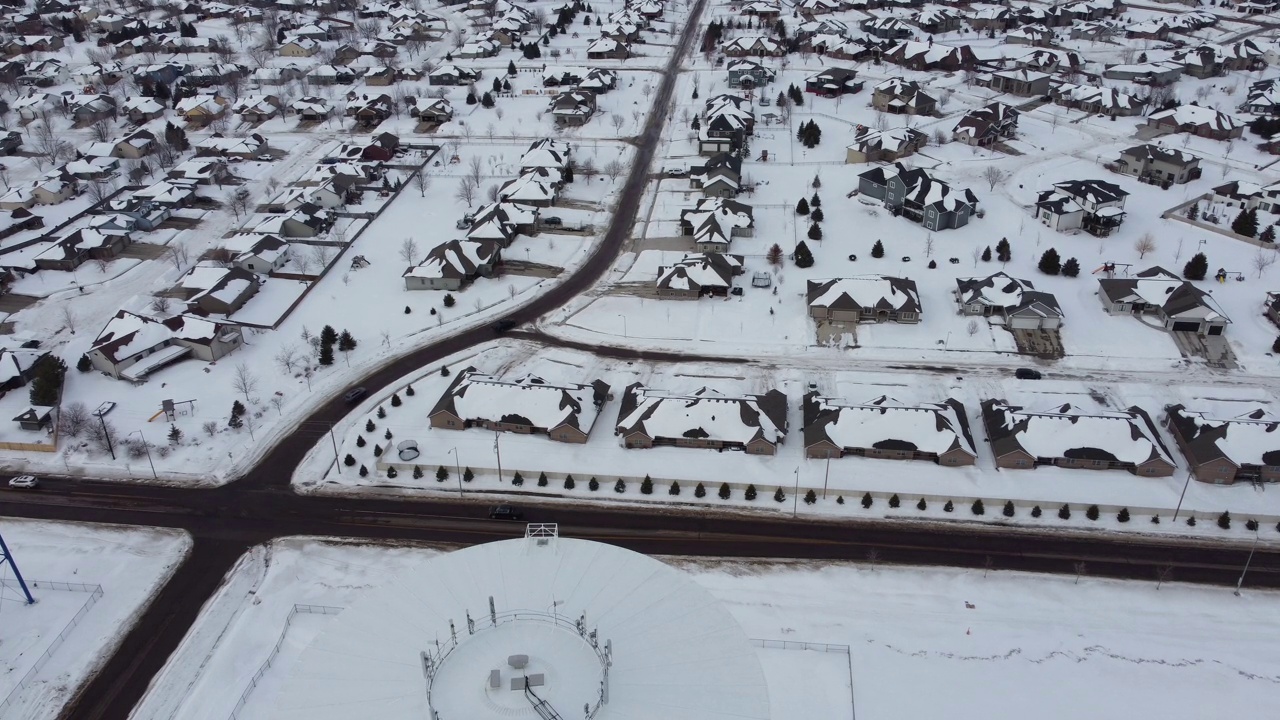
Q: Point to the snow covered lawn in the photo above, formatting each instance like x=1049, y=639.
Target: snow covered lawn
x=90, y=582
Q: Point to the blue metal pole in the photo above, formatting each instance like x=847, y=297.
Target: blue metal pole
x=6, y=556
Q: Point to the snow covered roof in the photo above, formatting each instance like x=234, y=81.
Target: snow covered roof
x=870, y=292
x=699, y=270
x=533, y=185
x=526, y=400
x=885, y=423
x=1124, y=436
x=893, y=140
x=1199, y=116
x=129, y=334
x=1247, y=439
x=1175, y=297
x=704, y=414
x=1008, y=293
x=456, y=259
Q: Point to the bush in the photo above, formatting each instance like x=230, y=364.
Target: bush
x=448, y=300
x=1191, y=521
x=810, y=497
x=467, y=475
x=442, y=474
x=894, y=501
x=674, y=489
x=646, y=486
x=922, y=505
x=933, y=264
x=417, y=472
x=1251, y=525
x=724, y=491
x=620, y=486
x=364, y=471
x=750, y=494
x=408, y=390
x=517, y=480
x=84, y=364
x=1008, y=508
x=699, y=491
x=1064, y=512
x=867, y=501
x=391, y=472
x=349, y=460
x=395, y=400
x=542, y=479
x=978, y=508
x=1155, y=519
x=877, y=250
x=840, y=501
x=1036, y=512
x=1050, y=263
x=1224, y=520
x=593, y=484
x=780, y=496
x=948, y=507
x=986, y=254
x=1092, y=512
x=1123, y=515
x=444, y=371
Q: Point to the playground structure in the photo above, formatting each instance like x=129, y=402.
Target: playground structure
x=1222, y=275
x=1110, y=269
x=170, y=410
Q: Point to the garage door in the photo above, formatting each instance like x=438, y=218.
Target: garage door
x=1186, y=327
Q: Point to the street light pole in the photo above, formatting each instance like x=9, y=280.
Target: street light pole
x=147, y=447
x=1184, y=494
x=457, y=468
x=497, y=451
x=337, y=462
x=1246, y=564
x=624, y=324
x=795, y=496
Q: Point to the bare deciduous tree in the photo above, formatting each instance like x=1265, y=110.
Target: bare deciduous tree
x=179, y=255
x=994, y=176
x=474, y=166
x=68, y=318
x=1080, y=568
x=244, y=381
x=1263, y=260
x=239, y=202
x=159, y=305
x=1144, y=245
x=613, y=169
x=409, y=251
x=210, y=428
x=972, y=328
x=100, y=131
x=72, y=419
x=617, y=120
x=466, y=191
x=288, y=358
x=422, y=181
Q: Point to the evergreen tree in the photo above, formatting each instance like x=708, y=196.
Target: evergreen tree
x=346, y=342
x=1224, y=520
x=377, y=451
x=395, y=400
x=1196, y=267
x=1275, y=346
x=511, y=68
x=471, y=97
x=782, y=99
x=387, y=434
x=699, y=491
x=84, y=364
x=750, y=494
x=978, y=508
x=417, y=472
x=815, y=231
x=442, y=474
x=620, y=486
x=467, y=475
x=724, y=491
x=804, y=258
x=818, y=215
x=877, y=250
x=840, y=501
x=1035, y=511
x=1050, y=263
x=46, y=386
x=444, y=371
x=1092, y=512
x=408, y=390
x=674, y=489
x=235, y=423
x=780, y=496
x=948, y=507
x=894, y=501
x=867, y=501
x=364, y=471
x=1155, y=519
x=933, y=264
x=497, y=84
x=1268, y=234
x=326, y=354
x=175, y=435
x=1193, y=212
x=802, y=207
x=1123, y=515
x=593, y=484
x=1251, y=525
x=448, y=300
x=1191, y=521
x=810, y=497
x=569, y=483
x=1246, y=223
x=986, y=254
x=922, y=505
x=1071, y=268
x=517, y=480
x=542, y=479
x=381, y=413
x=391, y=472
x=1064, y=513
x=486, y=100
x=531, y=51
x=369, y=426
x=1008, y=508
x=774, y=256
x=815, y=201
x=646, y=486
x=349, y=460
x=360, y=441
x=1003, y=252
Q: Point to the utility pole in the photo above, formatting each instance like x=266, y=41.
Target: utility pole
x=497, y=452
x=107, y=434
x=337, y=462
x=1184, y=494
x=825, y=478
x=1246, y=564
x=457, y=468
x=147, y=447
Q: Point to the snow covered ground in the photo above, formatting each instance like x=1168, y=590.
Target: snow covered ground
x=985, y=646
x=90, y=582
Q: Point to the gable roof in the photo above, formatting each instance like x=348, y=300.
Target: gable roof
x=704, y=413
x=1126, y=436
x=874, y=292
x=885, y=423
x=525, y=400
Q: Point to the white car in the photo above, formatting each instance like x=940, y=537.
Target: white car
x=23, y=481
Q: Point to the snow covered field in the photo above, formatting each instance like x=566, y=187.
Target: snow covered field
x=89, y=582
x=1094, y=648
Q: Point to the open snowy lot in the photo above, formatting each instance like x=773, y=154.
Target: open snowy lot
x=1098, y=648
x=89, y=582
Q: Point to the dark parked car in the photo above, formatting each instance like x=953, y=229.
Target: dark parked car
x=505, y=512
x=354, y=395
x=502, y=326
x=552, y=221
x=1027, y=374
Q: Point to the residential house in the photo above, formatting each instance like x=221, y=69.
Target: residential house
x=257, y=108
x=1070, y=437
x=930, y=56
x=1158, y=166
x=1097, y=206
x=200, y=110
x=1016, y=300
x=698, y=275
x=714, y=222
x=1176, y=303
x=573, y=108
x=1034, y=34
x=749, y=74
x=454, y=265
x=1097, y=100
x=1154, y=74
x=311, y=109
x=889, y=429
x=919, y=197
x=305, y=220
x=88, y=109
x=502, y=222
x=719, y=176
x=299, y=47
x=753, y=46
x=266, y=255
x=565, y=412
x=79, y=246
x=18, y=367
x=537, y=187
x=864, y=299
x=133, y=346
x=1243, y=194
x=1023, y=82
x=987, y=126
x=902, y=97
x=704, y=418
x=1201, y=121
x=891, y=145
x=834, y=82
x=1226, y=450
x=607, y=48
x=1263, y=98
x=217, y=290
x=432, y=110
x=887, y=28
x=141, y=109
x=246, y=148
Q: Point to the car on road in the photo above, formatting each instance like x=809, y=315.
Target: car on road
x=505, y=512
x=502, y=326
x=23, y=481
x=675, y=171
x=354, y=395
x=1027, y=374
